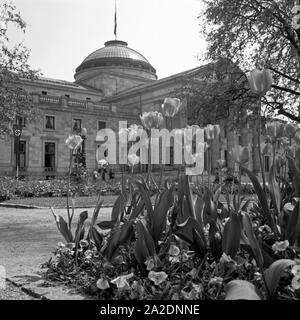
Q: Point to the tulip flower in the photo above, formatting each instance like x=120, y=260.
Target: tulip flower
x=170, y=107
x=240, y=154
x=212, y=131
x=152, y=120
x=260, y=81
x=103, y=163
x=133, y=159
x=73, y=142
x=84, y=131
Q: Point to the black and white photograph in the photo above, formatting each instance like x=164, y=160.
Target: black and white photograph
x=149, y=155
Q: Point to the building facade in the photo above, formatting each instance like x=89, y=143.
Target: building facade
x=114, y=83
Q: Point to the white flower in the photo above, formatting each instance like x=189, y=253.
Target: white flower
x=121, y=282
x=152, y=120
x=73, y=142
x=280, y=245
x=150, y=263
x=173, y=250
x=216, y=281
x=260, y=81
x=225, y=258
x=133, y=159
x=170, y=107
x=157, y=277
x=83, y=243
x=103, y=163
x=102, y=284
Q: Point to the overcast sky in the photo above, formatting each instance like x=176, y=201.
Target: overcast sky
x=61, y=33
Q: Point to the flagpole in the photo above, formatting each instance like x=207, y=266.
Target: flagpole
x=115, y=29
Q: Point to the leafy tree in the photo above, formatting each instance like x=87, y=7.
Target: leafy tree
x=14, y=68
x=256, y=34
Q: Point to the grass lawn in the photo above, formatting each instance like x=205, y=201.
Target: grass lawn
x=60, y=202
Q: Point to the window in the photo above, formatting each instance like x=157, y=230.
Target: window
x=49, y=156
x=50, y=122
x=67, y=95
x=77, y=124
x=240, y=140
x=21, y=121
x=101, y=125
x=267, y=163
x=21, y=162
x=44, y=93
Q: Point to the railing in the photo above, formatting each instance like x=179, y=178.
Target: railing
x=49, y=100
x=76, y=103
x=49, y=169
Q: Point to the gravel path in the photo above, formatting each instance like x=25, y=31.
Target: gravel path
x=12, y=292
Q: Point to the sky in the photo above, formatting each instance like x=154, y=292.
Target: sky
x=62, y=33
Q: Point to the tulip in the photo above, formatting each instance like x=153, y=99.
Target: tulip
x=260, y=81
x=290, y=130
x=152, y=120
x=103, y=163
x=73, y=142
x=240, y=154
x=266, y=148
x=170, y=107
x=133, y=159
x=133, y=131
x=212, y=131
x=83, y=131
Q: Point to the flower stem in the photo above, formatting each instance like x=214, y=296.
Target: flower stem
x=68, y=190
x=259, y=149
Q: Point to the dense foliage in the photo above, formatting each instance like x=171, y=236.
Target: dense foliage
x=258, y=34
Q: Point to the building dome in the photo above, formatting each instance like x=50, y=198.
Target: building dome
x=116, y=53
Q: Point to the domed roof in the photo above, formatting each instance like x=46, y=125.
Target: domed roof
x=116, y=52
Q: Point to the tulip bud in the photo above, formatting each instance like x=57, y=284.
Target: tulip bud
x=133, y=159
x=170, y=107
x=240, y=154
x=73, y=142
x=260, y=81
x=152, y=120
x=210, y=132
x=83, y=131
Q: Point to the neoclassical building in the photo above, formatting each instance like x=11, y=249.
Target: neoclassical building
x=113, y=83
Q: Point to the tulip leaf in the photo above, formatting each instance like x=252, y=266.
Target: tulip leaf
x=146, y=199
x=126, y=232
x=232, y=235
x=160, y=213
x=62, y=227
x=199, y=244
x=274, y=190
x=185, y=230
x=80, y=225
x=293, y=227
x=274, y=273
x=143, y=232
x=118, y=208
x=262, y=197
x=247, y=225
x=210, y=211
x=112, y=242
x=104, y=225
x=199, y=206
x=96, y=212
x=95, y=237
x=295, y=174
x=241, y=290
x=185, y=200
x=215, y=242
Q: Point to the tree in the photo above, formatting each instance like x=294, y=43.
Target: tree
x=14, y=68
x=259, y=34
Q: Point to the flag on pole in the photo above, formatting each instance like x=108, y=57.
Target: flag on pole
x=115, y=29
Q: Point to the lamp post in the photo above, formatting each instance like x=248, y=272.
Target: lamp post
x=17, y=131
